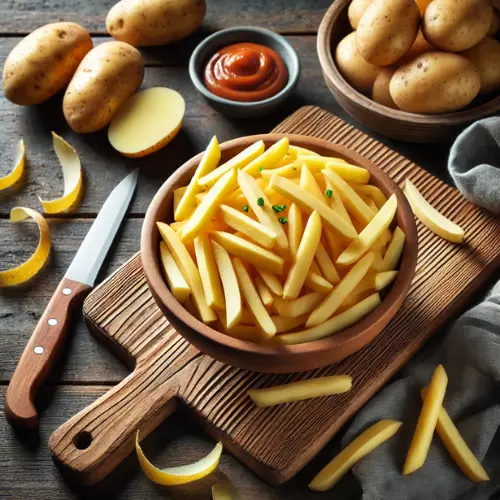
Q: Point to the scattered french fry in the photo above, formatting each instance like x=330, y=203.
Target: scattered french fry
x=176, y=282
x=297, y=307
x=375, y=281
x=178, y=194
x=394, y=250
x=269, y=158
x=302, y=151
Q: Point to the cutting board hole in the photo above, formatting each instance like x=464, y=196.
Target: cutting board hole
x=82, y=440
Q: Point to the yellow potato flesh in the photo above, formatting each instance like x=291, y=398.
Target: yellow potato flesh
x=372, y=192
x=178, y=194
x=308, y=183
x=365, y=443
x=430, y=217
x=349, y=172
x=268, y=159
x=302, y=151
x=176, y=282
x=433, y=402
x=394, y=250
x=317, y=283
x=208, y=163
x=290, y=170
x=336, y=202
x=295, y=229
x=264, y=293
x=297, y=307
x=326, y=265
x=146, y=121
x=286, y=324
x=272, y=281
x=301, y=390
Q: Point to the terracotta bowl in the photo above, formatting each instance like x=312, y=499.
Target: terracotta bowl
x=390, y=122
x=265, y=358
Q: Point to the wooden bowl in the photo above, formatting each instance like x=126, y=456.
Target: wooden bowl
x=390, y=122
x=265, y=358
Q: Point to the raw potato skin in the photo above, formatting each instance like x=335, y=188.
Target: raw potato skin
x=154, y=22
x=42, y=63
x=356, y=10
x=486, y=57
x=107, y=75
x=359, y=73
x=435, y=82
x=495, y=23
x=420, y=46
x=386, y=30
x=380, y=91
x=456, y=25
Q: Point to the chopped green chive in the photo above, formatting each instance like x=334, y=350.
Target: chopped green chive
x=329, y=193
x=261, y=169
x=283, y=220
x=245, y=208
x=260, y=202
x=278, y=208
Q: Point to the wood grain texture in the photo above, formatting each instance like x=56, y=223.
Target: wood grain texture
x=276, y=442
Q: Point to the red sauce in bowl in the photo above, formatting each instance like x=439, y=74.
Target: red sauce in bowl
x=245, y=72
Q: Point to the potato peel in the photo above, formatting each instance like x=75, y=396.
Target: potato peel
x=183, y=474
x=35, y=263
x=17, y=174
x=73, y=179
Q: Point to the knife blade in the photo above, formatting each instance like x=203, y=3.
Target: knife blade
x=43, y=348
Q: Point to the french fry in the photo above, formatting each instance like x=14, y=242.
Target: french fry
x=346, y=285
x=301, y=151
x=286, y=324
x=457, y=447
x=264, y=293
x=370, y=233
x=253, y=300
x=317, y=283
x=254, y=230
x=297, y=307
x=290, y=170
x=335, y=244
x=315, y=268
x=236, y=162
x=394, y=250
x=308, y=183
x=311, y=203
x=326, y=265
x=364, y=444
x=250, y=252
x=305, y=255
x=301, y=390
x=176, y=282
x=188, y=269
x=378, y=262
x=336, y=202
x=295, y=229
x=430, y=217
x=177, y=226
x=375, y=281
x=433, y=402
x=349, y=172
x=209, y=161
x=272, y=282
x=232, y=296
x=373, y=192
x=206, y=209
x=178, y=194
x=269, y=158
x=199, y=198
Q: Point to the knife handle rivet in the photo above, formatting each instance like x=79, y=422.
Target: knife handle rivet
x=38, y=349
x=66, y=291
x=52, y=322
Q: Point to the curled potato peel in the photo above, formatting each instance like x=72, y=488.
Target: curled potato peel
x=16, y=176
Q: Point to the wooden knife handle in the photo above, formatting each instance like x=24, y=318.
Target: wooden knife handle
x=41, y=353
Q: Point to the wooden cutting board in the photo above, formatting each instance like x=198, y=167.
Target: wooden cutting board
x=169, y=374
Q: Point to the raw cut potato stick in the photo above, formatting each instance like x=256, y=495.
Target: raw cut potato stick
x=295, y=229
x=232, y=296
x=208, y=163
x=457, y=447
x=378, y=262
x=207, y=208
x=264, y=293
x=246, y=318
x=311, y=203
x=272, y=281
x=315, y=268
x=286, y=324
x=289, y=170
x=178, y=194
x=301, y=390
x=365, y=443
x=188, y=269
x=377, y=281
x=297, y=307
x=326, y=265
x=394, y=250
x=305, y=255
x=336, y=202
x=433, y=402
x=301, y=151
x=176, y=282
x=346, y=285
x=269, y=158
x=370, y=233
x=430, y=217
x=372, y=192
x=250, y=252
x=239, y=161
x=349, y=172
x=309, y=184
x=252, y=299
x=317, y=283
x=341, y=321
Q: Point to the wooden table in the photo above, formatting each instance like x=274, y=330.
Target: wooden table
x=87, y=369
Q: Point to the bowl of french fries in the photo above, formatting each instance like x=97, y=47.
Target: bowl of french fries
x=279, y=253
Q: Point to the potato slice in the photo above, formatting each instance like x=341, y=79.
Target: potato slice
x=264, y=293
x=370, y=233
x=373, y=192
x=268, y=159
x=364, y=444
x=346, y=285
x=326, y=265
x=317, y=283
x=300, y=390
x=309, y=184
x=188, y=269
x=297, y=307
x=305, y=255
x=206, y=209
x=430, y=217
x=244, y=224
x=238, y=162
x=146, y=121
x=176, y=282
x=311, y=203
x=394, y=250
x=188, y=202
x=252, y=299
x=295, y=229
x=427, y=421
x=286, y=324
x=457, y=447
x=272, y=281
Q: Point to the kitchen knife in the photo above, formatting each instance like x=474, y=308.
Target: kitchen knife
x=42, y=350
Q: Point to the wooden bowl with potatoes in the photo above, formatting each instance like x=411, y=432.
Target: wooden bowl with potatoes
x=279, y=253
x=410, y=70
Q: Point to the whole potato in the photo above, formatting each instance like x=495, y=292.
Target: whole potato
x=435, y=82
x=495, y=23
x=456, y=25
x=486, y=58
x=359, y=73
x=387, y=30
x=380, y=90
x=107, y=75
x=420, y=46
x=356, y=10
x=42, y=63
x=154, y=22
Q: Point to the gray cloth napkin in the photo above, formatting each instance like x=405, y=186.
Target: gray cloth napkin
x=470, y=352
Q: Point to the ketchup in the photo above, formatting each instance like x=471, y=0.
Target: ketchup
x=245, y=72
